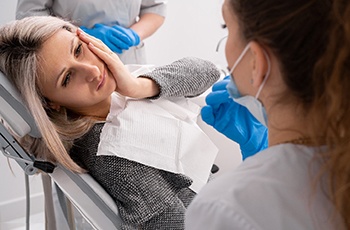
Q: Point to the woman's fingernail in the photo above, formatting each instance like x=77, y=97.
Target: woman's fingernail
x=90, y=44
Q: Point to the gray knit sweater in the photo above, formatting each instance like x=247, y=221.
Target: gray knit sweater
x=148, y=198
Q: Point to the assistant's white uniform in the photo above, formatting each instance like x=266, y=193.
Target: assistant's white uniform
x=271, y=190
x=89, y=12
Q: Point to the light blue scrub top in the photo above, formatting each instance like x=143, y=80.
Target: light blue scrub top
x=89, y=12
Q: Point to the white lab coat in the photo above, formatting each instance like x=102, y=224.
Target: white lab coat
x=271, y=190
x=89, y=12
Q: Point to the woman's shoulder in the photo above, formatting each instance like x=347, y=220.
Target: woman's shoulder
x=85, y=147
x=263, y=185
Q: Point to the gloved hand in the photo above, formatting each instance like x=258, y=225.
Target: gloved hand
x=132, y=35
x=234, y=120
x=115, y=37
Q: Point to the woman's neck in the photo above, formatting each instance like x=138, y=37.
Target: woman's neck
x=288, y=125
x=98, y=111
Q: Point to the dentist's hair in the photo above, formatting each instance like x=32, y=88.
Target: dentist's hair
x=20, y=43
x=311, y=40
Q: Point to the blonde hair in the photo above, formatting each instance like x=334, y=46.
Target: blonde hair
x=20, y=42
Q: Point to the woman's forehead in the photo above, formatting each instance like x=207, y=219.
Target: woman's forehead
x=55, y=52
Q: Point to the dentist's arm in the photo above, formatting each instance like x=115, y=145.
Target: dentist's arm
x=234, y=121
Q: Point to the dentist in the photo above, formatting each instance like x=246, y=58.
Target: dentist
x=289, y=64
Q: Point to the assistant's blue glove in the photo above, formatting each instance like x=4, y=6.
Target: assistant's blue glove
x=234, y=120
x=116, y=37
x=132, y=35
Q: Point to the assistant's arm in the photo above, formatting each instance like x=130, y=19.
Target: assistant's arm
x=119, y=38
x=147, y=25
x=152, y=16
x=26, y=8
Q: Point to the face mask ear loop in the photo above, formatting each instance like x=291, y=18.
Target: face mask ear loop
x=239, y=58
x=266, y=76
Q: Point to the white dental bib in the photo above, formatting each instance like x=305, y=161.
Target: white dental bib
x=160, y=133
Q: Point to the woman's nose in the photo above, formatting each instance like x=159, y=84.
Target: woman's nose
x=90, y=72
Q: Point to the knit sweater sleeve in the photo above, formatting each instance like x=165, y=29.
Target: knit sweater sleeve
x=188, y=77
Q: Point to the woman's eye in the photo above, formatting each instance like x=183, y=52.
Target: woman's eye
x=66, y=80
x=78, y=50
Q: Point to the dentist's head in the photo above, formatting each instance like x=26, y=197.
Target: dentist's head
x=266, y=49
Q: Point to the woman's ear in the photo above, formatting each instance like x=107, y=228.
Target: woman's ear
x=54, y=106
x=260, y=64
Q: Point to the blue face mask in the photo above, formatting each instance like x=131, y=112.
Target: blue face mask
x=251, y=103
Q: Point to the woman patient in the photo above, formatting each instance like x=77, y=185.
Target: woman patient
x=68, y=79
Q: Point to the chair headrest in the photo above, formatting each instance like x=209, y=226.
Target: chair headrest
x=13, y=110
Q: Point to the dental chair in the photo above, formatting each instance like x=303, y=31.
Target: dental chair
x=81, y=190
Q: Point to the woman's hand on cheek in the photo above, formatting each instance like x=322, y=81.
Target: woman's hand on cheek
x=127, y=85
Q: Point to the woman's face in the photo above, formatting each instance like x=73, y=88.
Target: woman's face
x=70, y=75
x=234, y=47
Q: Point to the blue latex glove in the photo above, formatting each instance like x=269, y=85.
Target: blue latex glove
x=234, y=120
x=116, y=37
x=132, y=35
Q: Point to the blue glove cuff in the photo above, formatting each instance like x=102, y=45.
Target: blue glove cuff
x=136, y=37
x=258, y=141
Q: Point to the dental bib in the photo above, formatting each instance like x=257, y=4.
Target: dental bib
x=160, y=133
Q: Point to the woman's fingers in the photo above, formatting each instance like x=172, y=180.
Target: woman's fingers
x=108, y=57
x=126, y=83
x=91, y=39
x=100, y=50
x=86, y=36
